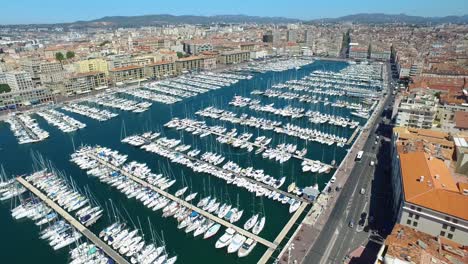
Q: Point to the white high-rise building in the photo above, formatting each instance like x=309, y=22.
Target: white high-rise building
x=19, y=80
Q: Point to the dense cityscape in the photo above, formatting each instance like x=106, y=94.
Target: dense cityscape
x=235, y=139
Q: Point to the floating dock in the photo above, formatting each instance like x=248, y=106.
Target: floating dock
x=76, y=224
x=263, y=241
x=266, y=256
x=350, y=140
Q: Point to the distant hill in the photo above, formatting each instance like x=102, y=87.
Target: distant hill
x=149, y=20
x=380, y=18
x=165, y=19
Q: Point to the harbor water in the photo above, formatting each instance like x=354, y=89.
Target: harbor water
x=20, y=242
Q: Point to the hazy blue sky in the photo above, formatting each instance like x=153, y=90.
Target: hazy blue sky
x=52, y=11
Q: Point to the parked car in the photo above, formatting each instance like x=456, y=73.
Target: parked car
x=351, y=224
x=363, y=191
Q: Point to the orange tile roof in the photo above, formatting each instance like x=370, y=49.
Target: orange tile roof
x=461, y=120
x=438, y=191
x=403, y=244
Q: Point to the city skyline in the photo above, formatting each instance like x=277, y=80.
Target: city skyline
x=58, y=12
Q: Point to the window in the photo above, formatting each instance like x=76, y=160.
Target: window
x=447, y=218
x=450, y=236
x=455, y=221
x=410, y=215
x=452, y=229
x=415, y=224
x=417, y=217
x=408, y=222
x=442, y=233
x=444, y=226
x=419, y=209
x=412, y=207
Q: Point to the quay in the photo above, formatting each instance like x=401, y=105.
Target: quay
x=81, y=228
x=188, y=205
x=266, y=186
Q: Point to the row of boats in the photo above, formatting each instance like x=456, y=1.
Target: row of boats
x=307, y=134
x=66, y=196
x=56, y=231
x=91, y=112
x=255, y=181
x=62, y=121
x=129, y=243
x=188, y=219
x=121, y=103
x=281, y=153
x=174, y=90
x=26, y=129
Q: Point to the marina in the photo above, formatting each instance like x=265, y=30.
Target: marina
x=223, y=183
x=76, y=224
x=169, y=197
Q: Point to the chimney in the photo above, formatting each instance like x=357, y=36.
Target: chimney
x=421, y=178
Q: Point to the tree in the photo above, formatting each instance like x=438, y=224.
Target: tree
x=180, y=54
x=4, y=88
x=70, y=55
x=59, y=56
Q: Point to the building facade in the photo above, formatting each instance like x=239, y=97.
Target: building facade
x=160, y=70
x=91, y=65
x=19, y=80
x=417, y=110
x=233, y=57
x=127, y=74
x=426, y=197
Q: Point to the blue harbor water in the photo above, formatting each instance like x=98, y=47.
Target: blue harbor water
x=20, y=242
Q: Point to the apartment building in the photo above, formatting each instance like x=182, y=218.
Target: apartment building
x=160, y=70
x=357, y=52
x=291, y=36
x=43, y=71
x=193, y=63
x=91, y=65
x=308, y=37
x=446, y=116
x=127, y=74
x=233, y=57
x=380, y=54
x=25, y=97
x=427, y=198
x=85, y=82
x=195, y=47
x=19, y=80
x=436, y=143
x=417, y=109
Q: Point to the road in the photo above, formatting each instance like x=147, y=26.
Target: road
x=337, y=239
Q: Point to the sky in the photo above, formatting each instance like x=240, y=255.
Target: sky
x=58, y=11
